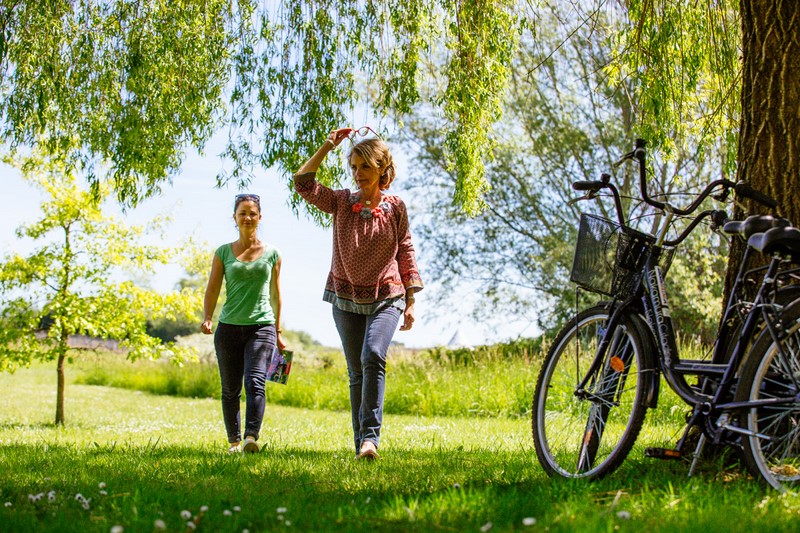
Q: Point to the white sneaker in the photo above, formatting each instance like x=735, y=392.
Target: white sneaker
x=235, y=448
x=250, y=445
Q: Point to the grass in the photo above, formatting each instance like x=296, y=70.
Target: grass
x=418, y=383
x=158, y=456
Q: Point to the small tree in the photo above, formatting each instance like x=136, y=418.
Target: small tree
x=76, y=281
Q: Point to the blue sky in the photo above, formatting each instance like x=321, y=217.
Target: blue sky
x=199, y=209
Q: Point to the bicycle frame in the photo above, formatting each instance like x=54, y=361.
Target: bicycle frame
x=650, y=302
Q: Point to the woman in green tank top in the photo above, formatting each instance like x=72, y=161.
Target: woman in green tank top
x=249, y=324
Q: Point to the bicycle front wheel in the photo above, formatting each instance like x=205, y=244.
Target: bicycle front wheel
x=772, y=373
x=588, y=432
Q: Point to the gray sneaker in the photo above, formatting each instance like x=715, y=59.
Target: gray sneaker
x=250, y=445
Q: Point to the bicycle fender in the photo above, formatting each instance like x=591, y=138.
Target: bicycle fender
x=650, y=374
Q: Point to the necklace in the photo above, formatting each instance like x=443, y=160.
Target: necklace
x=369, y=202
x=365, y=210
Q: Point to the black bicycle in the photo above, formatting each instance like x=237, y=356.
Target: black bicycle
x=603, y=369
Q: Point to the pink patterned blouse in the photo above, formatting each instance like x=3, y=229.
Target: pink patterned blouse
x=373, y=261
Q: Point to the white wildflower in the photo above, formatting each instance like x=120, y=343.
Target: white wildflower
x=456, y=486
x=624, y=515
x=85, y=504
x=117, y=529
x=102, y=485
x=103, y=493
x=287, y=523
x=191, y=525
x=237, y=509
x=281, y=510
x=51, y=496
x=227, y=512
x=204, y=508
x=368, y=499
x=36, y=497
x=79, y=497
x=159, y=524
x=8, y=504
x=280, y=518
x=528, y=521
x=186, y=515
x=486, y=527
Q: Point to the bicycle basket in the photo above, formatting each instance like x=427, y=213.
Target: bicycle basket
x=609, y=257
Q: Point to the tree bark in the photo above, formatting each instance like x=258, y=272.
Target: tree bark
x=769, y=136
x=60, y=391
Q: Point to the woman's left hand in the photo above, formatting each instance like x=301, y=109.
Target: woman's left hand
x=280, y=343
x=408, y=317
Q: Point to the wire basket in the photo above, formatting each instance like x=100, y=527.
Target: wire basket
x=609, y=258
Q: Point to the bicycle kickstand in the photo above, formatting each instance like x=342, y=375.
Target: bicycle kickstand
x=701, y=442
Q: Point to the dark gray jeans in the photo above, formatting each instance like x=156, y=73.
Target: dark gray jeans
x=365, y=339
x=243, y=354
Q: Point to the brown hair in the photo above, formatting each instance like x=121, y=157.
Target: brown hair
x=244, y=198
x=376, y=154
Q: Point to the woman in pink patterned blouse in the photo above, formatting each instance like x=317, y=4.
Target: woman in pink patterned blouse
x=373, y=274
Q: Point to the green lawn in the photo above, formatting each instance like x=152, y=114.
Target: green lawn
x=142, y=460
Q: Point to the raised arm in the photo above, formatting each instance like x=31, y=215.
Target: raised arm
x=333, y=140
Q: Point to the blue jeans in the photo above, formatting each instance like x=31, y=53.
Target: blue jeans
x=243, y=353
x=365, y=340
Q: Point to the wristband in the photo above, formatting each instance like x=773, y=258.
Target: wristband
x=333, y=144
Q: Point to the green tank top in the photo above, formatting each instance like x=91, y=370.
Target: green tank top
x=247, y=287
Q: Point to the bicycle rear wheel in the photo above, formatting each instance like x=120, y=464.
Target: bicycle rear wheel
x=588, y=433
x=772, y=371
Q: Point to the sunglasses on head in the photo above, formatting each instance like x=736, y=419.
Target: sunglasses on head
x=239, y=198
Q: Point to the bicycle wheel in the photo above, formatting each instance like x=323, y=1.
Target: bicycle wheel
x=784, y=296
x=772, y=371
x=588, y=433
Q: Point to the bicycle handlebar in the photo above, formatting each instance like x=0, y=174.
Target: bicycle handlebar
x=718, y=218
x=604, y=183
x=639, y=153
x=745, y=190
x=592, y=186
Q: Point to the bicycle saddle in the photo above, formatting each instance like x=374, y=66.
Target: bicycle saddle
x=754, y=224
x=777, y=241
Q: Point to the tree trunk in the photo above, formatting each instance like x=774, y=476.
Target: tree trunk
x=769, y=136
x=60, y=391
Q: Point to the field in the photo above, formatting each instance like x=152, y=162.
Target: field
x=141, y=461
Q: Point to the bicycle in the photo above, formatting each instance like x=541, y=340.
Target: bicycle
x=603, y=369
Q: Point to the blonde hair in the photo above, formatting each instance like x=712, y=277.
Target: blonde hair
x=377, y=155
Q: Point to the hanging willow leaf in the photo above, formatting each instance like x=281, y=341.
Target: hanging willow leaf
x=122, y=90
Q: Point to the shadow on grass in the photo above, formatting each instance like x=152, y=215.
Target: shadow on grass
x=407, y=489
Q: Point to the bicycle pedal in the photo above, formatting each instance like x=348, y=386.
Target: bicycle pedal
x=662, y=453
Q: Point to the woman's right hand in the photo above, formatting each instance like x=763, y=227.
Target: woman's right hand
x=337, y=136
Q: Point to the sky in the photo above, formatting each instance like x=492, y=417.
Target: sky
x=201, y=210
